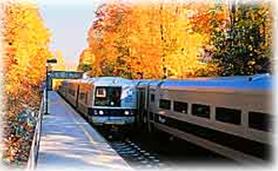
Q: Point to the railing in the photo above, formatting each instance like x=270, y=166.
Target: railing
x=34, y=152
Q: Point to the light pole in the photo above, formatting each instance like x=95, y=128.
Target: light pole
x=48, y=62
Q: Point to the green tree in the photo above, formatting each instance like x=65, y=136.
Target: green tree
x=243, y=47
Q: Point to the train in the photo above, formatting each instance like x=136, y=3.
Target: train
x=102, y=100
x=230, y=116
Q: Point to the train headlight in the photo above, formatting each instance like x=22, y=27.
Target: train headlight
x=101, y=112
x=126, y=112
x=95, y=112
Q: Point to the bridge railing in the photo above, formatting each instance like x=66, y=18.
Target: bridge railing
x=34, y=152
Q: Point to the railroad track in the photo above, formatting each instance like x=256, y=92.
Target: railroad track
x=159, y=151
x=156, y=151
x=137, y=156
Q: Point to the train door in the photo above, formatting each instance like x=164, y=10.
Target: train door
x=77, y=96
x=145, y=107
x=92, y=96
x=141, y=104
x=148, y=107
x=137, y=106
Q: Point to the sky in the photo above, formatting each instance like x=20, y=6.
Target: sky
x=68, y=22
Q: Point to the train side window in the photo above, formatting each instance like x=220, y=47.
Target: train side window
x=232, y=116
x=82, y=95
x=72, y=92
x=152, y=98
x=201, y=110
x=180, y=107
x=259, y=121
x=165, y=104
x=86, y=98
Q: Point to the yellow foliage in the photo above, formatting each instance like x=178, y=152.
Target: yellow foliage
x=26, y=50
x=87, y=58
x=25, y=40
x=145, y=41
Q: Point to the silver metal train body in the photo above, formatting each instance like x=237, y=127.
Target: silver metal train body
x=102, y=100
x=228, y=115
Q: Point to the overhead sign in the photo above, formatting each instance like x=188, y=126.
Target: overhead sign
x=65, y=75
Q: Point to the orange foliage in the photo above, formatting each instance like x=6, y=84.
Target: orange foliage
x=146, y=41
x=25, y=43
x=26, y=50
x=203, y=17
x=86, y=60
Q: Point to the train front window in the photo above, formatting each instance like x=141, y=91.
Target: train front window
x=108, y=96
x=101, y=92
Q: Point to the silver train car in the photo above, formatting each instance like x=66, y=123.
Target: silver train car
x=230, y=116
x=102, y=100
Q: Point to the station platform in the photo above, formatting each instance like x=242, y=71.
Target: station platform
x=68, y=142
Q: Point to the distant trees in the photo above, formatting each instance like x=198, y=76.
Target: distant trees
x=146, y=41
x=86, y=60
x=25, y=43
x=179, y=40
x=245, y=47
x=241, y=39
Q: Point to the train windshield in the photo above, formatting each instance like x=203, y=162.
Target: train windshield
x=108, y=96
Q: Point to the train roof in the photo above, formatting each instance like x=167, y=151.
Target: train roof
x=107, y=81
x=148, y=82
x=258, y=82
x=68, y=81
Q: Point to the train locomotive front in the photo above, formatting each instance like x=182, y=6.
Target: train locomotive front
x=113, y=101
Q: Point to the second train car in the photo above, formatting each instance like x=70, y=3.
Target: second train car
x=230, y=116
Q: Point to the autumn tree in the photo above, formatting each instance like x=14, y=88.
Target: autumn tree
x=206, y=18
x=25, y=40
x=108, y=39
x=86, y=60
x=240, y=36
x=181, y=45
x=25, y=43
x=145, y=41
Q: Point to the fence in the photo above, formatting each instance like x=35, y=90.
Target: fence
x=33, y=156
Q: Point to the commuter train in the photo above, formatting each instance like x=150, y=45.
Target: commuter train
x=230, y=116
x=102, y=100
